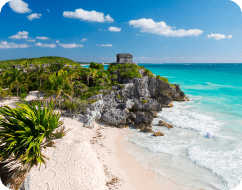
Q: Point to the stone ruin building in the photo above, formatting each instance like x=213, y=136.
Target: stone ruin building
x=123, y=58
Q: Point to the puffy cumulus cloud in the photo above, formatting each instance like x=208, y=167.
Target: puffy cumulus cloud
x=219, y=36
x=70, y=45
x=46, y=45
x=91, y=16
x=6, y=45
x=106, y=45
x=42, y=38
x=30, y=40
x=20, y=35
x=19, y=6
x=34, y=16
x=84, y=39
x=114, y=29
x=150, y=26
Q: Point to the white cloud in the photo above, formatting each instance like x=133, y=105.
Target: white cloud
x=91, y=16
x=45, y=45
x=19, y=6
x=57, y=41
x=150, y=26
x=48, y=10
x=30, y=40
x=42, y=38
x=106, y=45
x=20, y=35
x=70, y=45
x=114, y=29
x=84, y=39
x=219, y=36
x=6, y=45
x=34, y=16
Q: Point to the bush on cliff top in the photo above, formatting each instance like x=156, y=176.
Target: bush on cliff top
x=165, y=80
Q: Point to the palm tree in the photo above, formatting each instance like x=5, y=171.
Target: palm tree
x=93, y=74
x=86, y=72
x=15, y=78
x=24, y=132
x=41, y=74
x=26, y=65
x=57, y=83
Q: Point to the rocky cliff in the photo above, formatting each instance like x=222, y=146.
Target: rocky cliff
x=134, y=102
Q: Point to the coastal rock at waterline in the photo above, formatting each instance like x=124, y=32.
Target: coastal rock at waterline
x=146, y=104
x=143, y=117
x=163, y=123
x=156, y=134
x=114, y=116
x=143, y=121
x=144, y=127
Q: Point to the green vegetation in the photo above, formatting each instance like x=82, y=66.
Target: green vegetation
x=121, y=86
x=165, y=80
x=24, y=132
x=144, y=101
x=41, y=60
x=28, y=128
x=96, y=66
x=127, y=70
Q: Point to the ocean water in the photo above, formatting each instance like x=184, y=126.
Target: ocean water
x=204, y=149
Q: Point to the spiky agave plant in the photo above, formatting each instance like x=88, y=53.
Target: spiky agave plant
x=24, y=132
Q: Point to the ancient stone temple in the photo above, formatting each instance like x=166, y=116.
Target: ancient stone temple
x=123, y=58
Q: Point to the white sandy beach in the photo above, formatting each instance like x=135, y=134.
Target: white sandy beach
x=92, y=159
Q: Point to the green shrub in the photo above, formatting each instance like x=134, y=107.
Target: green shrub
x=24, y=132
x=120, y=96
x=96, y=66
x=23, y=95
x=121, y=86
x=165, y=80
x=131, y=73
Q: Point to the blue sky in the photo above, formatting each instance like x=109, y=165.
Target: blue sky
x=154, y=31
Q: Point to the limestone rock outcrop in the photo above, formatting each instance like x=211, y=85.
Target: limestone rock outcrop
x=134, y=102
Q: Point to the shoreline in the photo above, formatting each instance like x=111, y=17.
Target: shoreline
x=92, y=159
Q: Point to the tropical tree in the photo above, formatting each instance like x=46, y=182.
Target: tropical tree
x=85, y=72
x=14, y=78
x=93, y=74
x=24, y=132
x=41, y=74
x=55, y=84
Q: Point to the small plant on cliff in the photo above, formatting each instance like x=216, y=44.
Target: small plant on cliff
x=144, y=101
x=165, y=80
x=151, y=75
x=121, y=86
x=120, y=96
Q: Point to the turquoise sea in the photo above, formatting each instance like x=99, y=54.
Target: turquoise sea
x=204, y=149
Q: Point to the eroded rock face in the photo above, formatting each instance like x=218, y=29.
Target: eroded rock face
x=146, y=104
x=114, y=116
x=135, y=102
